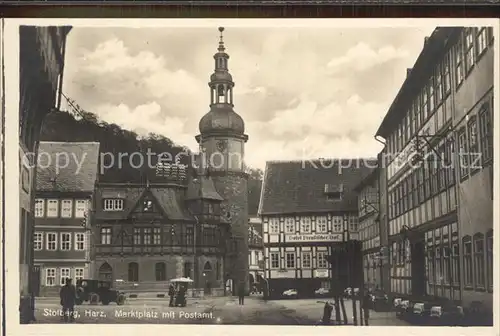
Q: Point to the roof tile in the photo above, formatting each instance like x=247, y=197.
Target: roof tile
x=67, y=166
x=292, y=187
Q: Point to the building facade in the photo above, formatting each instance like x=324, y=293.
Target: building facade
x=438, y=133
x=41, y=62
x=369, y=229
x=222, y=140
x=146, y=235
x=64, y=193
x=307, y=208
x=255, y=253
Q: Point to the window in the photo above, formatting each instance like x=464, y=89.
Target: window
x=486, y=134
x=479, y=269
x=51, y=241
x=321, y=225
x=446, y=264
x=113, y=204
x=137, y=236
x=106, y=236
x=290, y=259
x=455, y=262
x=459, y=63
x=189, y=236
x=52, y=208
x=160, y=271
x=187, y=269
x=157, y=236
x=65, y=273
x=425, y=104
x=432, y=97
x=306, y=260
x=133, y=271
x=446, y=75
x=321, y=260
x=78, y=274
x=38, y=241
x=81, y=208
x=353, y=223
x=467, y=261
x=79, y=241
x=39, y=207
x=289, y=225
x=439, y=85
x=469, y=49
x=337, y=223
x=473, y=149
x=489, y=258
x=481, y=41
x=274, y=226
x=437, y=257
x=275, y=260
x=462, y=152
x=50, y=277
x=65, y=241
x=147, y=236
x=305, y=225
x=430, y=265
x=66, y=208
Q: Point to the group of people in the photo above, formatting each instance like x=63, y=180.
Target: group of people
x=177, y=295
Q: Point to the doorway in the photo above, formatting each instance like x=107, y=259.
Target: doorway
x=207, y=277
x=418, y=287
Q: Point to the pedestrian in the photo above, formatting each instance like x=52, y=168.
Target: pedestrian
x=68, y=299
x=241, y=295
x=366, y=305
x=171, y=294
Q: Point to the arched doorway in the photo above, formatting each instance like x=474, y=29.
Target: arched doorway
x=208, y=278
x=105, y=272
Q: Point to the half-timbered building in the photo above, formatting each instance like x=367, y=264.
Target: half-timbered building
x=255, y=252
x=307, y=208
x=440, y=170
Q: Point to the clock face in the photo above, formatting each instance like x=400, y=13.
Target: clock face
x=221, y=145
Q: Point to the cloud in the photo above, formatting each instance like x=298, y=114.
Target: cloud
x=362, y=57
x=302, y=92
x=148, y=118
x=339, y=129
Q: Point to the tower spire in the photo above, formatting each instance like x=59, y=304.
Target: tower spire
x=221, y=41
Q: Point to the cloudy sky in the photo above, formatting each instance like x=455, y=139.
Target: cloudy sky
x=303, y=92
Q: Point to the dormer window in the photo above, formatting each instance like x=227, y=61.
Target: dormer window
x=147, y=206
x=113, y=204
x=334, y=192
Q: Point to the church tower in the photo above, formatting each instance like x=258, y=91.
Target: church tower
x=222, y=139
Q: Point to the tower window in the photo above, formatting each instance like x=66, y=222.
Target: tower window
x=220, y=90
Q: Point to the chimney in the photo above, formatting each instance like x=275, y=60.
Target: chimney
x=408, y=72
x=426, y=39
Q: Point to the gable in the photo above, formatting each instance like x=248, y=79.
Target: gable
x=147, y=205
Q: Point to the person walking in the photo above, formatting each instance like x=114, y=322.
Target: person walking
x=241, y=295
x=68, y=299
x=171, y=294
x=366, y=305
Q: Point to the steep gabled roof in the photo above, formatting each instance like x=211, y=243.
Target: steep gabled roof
x=67, y=166
x=292, y=187
x=203, y=187
x=168, y=198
